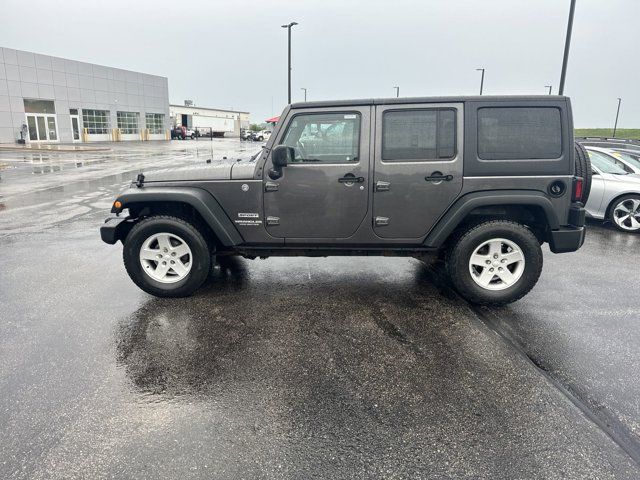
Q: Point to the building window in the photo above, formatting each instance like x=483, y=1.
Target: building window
x=39, y=106
x=519, y=133
x=96, y=121
x=419, y=134
x=128, y=122
x=155, y=122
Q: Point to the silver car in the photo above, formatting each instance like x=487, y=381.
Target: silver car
x=615, y=193
x=625, y=159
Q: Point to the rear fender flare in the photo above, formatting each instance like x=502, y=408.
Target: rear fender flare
x=463, y=206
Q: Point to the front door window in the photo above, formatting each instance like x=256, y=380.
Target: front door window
x=324, y=138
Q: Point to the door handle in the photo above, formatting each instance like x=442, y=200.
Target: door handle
x=438, y=177
x=350, y=178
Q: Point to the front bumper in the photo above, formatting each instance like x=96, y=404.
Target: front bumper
x=112, y=229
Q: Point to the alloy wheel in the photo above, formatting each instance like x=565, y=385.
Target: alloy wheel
x=496, y=264
x=166, y=257
x=626, y=214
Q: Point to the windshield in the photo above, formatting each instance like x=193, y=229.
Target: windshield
x=604, y=163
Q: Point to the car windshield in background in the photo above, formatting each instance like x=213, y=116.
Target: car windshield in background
x=604, y=163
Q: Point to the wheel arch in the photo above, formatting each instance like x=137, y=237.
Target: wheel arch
x=530, y=208
x=607, y=213
x=193, y=203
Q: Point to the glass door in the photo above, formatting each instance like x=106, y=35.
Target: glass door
x=75, y=128
x=42, y=128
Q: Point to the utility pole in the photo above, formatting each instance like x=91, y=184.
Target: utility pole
x=397, y=92
x=288, y=27
x=481, y=79
x=567, y=44
x=305, y=93
x=549, y=87
x=615, y=126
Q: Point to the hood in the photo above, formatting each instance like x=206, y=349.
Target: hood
x=241, y=169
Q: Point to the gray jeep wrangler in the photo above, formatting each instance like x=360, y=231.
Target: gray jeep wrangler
x=478, y=182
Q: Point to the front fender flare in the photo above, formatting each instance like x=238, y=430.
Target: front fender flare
x=463, y=206
x=204, y=203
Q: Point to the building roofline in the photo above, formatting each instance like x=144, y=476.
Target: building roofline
x=208, y=108
x=84, y=61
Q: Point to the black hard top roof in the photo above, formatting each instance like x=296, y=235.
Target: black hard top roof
x=405, y=100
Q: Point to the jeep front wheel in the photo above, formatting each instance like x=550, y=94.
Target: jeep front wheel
x=495, y=263
x=166, y=256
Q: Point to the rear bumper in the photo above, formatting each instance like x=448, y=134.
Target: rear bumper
x=569, y=238
x=111, y=230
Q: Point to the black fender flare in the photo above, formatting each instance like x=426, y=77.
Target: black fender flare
x=201, y=200
x=464, y=205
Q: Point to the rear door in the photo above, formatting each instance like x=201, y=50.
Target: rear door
x=417, y=166
x=323, y=193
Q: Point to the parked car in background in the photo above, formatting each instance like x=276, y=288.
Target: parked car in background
x=615, y=193
x=629, y=157
x=263, y=135
x=178, y=133
x=627, y=162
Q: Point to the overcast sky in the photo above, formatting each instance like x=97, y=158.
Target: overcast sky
x=223, y=53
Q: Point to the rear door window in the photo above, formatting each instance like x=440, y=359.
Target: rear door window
x=428, y=134
x=519, y=133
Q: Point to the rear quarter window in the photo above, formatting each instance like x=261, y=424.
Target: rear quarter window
x=519, y=133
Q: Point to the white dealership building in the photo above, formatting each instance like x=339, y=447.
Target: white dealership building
x=52, y=99
x=219, y=121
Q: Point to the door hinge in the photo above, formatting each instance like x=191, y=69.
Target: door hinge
x=381, y=221
x=271, y=187
x=273, y=220
x=383, y=186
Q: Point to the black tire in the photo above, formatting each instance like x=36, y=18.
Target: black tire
x=583, y=169
x=458, y=256
x=200, y=263
x=611, y=213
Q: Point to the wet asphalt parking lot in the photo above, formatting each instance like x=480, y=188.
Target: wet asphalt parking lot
x=297, y=368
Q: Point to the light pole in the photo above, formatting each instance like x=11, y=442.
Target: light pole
x=567, y=44
x=397, y=92
x=615, y=126
x=288, y=27
x=481, y=78
x=549, y=87
x=305, y=93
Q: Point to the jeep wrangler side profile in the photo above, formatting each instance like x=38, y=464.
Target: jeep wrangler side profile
x=480, y=182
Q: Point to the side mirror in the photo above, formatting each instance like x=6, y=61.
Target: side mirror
x=280, y=158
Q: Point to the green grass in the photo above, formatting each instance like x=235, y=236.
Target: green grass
x=631, y=133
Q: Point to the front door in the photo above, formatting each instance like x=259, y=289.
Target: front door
x=418, y=167
x=323, y=193
x=42, y=128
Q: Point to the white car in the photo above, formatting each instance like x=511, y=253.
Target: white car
x=262, y=135
x=615, y=193
x=628, y=160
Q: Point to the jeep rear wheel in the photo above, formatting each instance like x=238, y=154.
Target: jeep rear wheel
x=166, y=256
x=495, y=263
